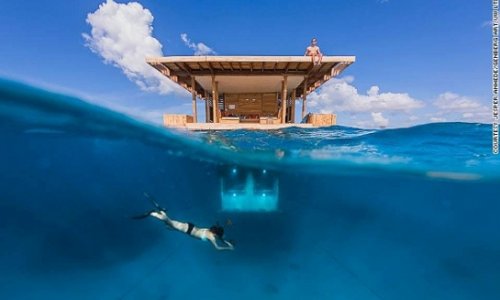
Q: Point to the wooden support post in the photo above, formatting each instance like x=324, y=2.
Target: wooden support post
x=193, y=93
x=304, y=98
x=294, y=98
x=284, y=97
x=215, y=99
x=207, y=110
x=217, y=110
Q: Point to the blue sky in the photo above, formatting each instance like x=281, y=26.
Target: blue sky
x=432, y=55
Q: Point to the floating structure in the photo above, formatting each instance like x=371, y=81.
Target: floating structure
x=249, y=92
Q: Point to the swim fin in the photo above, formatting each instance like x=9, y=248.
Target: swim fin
x=152, y=199
x=143, y=216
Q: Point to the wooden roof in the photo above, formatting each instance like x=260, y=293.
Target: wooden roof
x=269, y=69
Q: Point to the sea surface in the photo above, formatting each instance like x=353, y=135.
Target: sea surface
x=410, y=213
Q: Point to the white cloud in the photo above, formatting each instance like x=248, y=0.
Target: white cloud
x=381, y=109
x=449, y=101
x=338, y=95
x=199, y=48
x=462, y=108
x=379, y=119
x=122, y=35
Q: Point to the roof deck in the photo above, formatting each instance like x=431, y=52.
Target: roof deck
x=247, y=89
x=266, y=72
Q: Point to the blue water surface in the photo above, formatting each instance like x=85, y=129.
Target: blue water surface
x=408, y=213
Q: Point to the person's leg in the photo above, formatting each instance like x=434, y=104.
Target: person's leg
x=313, y=59
x=317, y=59
x=161, y=215
x=183, y=227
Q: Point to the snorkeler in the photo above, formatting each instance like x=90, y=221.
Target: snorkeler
x=212, y=234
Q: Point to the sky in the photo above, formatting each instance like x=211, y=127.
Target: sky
x=416, y=61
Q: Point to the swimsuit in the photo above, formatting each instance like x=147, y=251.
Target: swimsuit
x=203, y=235
x=190, y=228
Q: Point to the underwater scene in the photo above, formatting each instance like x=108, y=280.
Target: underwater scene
x=325, y=213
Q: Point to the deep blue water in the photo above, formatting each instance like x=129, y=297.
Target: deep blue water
x=406, y=213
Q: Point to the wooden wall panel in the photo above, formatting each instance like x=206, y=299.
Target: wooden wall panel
x=251, y=103
x=269, y=104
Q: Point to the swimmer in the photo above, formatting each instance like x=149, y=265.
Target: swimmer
x=314, y=52
x=212, y=234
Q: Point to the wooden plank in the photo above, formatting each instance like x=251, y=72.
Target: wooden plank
x=269, y=65
x=219, y=66
x=231, y=104
x=262, y=104
x=237, y=126
x=214, y=58
x=339, y=68
x=165, y=71
x=172, y=67
x=183, y=67
x=287, y=66
x=238, y=72
x=226, y=66
x=269, y=104
x=281, y=65
x=205, y=65
x=249, y=104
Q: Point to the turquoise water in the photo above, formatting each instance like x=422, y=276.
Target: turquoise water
x=361, y=214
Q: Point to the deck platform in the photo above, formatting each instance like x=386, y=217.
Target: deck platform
x=247, y=126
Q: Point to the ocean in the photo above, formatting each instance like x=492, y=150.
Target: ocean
x=326, y=213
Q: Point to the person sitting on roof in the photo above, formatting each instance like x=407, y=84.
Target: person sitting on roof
x=212, y=234
x=314, y=52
